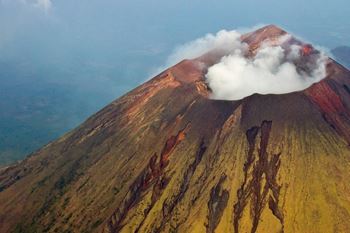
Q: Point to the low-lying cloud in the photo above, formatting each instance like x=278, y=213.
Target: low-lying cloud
x=274, y=68
x=44, y=5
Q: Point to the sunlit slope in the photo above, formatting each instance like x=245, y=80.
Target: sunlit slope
x=166, y=158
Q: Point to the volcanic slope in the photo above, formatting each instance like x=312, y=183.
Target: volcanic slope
x=166, y=158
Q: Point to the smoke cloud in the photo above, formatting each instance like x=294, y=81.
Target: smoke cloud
x=276, y=67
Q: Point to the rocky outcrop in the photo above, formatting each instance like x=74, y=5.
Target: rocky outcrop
x=216, y=205
x=153, y=175
x=260, y=188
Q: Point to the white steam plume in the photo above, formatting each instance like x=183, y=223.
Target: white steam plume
x=223, y=41
x=271, y=71
x=276, y=68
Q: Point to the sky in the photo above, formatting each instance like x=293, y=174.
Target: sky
x=81, y=55
x=91, y=43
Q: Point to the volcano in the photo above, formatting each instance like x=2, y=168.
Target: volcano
x=167, y=158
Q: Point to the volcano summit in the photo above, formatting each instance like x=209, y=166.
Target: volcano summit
x=177, y=154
